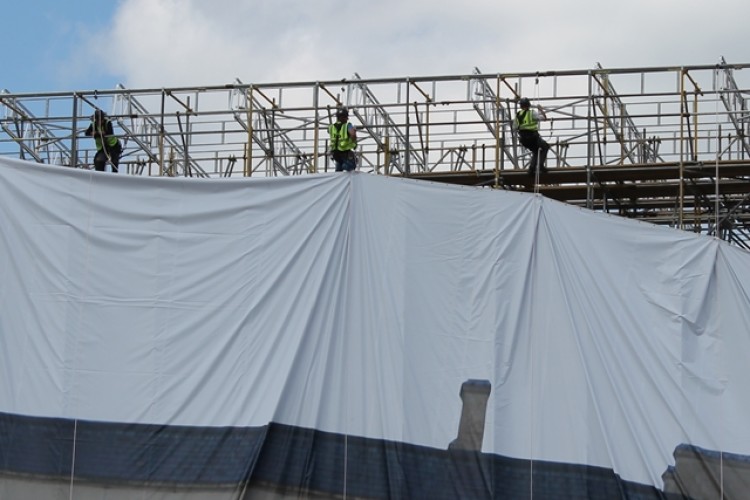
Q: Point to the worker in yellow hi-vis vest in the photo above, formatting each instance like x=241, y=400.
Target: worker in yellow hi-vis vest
x=527, y=125
x=343, y=137
x=108, y=147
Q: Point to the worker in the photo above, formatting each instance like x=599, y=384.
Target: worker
x=108, y=146
x=527, y=125
x=343, y=138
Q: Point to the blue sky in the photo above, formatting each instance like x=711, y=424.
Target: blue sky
x=42, y=38
x=55, y=45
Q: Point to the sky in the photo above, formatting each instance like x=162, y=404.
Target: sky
x=53, y=45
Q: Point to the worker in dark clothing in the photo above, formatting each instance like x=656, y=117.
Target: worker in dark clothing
x=343, y=137
x=527, y=125
x=108, y=146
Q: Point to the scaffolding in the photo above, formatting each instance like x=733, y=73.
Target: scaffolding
x=667, y=145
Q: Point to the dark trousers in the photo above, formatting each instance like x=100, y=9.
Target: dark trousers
x=109, y=154
x=531, y=140
x=344, y=161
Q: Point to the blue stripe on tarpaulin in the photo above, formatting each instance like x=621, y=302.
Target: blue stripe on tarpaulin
x=131, y=452
x=290, y=458
x=314, y=460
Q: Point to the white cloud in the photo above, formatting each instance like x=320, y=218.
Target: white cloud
x=160, y=43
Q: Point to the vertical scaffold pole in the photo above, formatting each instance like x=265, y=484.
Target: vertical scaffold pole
x=683, y=113
x=590, y=145
x=407, y=169
x=498, y=144
x=74, y=134
x=316, y=129
x=249, y=146
x=161, y=133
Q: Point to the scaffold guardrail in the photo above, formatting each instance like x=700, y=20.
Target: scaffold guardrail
x=419, y=127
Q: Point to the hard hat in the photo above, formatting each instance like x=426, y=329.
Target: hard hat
x=342, y=112
x=98, y=115
x=524, y=101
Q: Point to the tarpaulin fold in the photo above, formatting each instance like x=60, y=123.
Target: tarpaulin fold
x=327, y=323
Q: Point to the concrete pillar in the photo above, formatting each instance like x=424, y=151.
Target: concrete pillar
x=474, y=394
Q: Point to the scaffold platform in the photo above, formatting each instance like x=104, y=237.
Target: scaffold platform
x=668, y=145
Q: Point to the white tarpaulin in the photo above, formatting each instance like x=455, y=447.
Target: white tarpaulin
x=357, y=305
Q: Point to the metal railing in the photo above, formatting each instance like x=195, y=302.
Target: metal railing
x=409, y=126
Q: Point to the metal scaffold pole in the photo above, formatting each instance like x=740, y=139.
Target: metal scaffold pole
x=657, y=148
